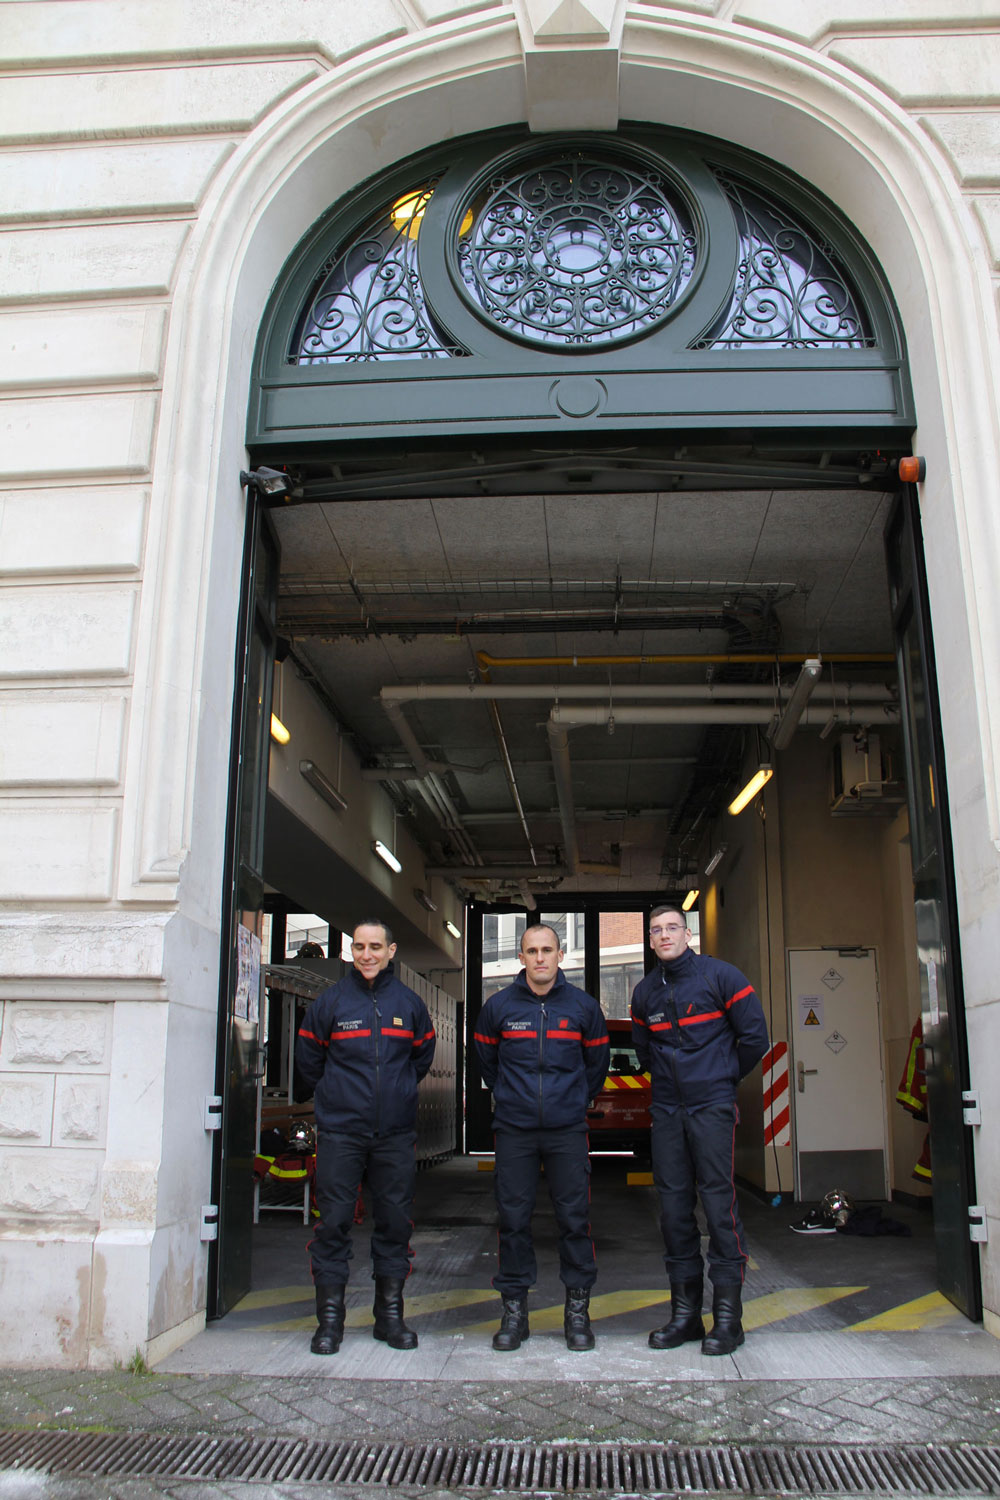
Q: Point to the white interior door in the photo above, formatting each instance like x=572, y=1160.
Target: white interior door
x=838, y=1082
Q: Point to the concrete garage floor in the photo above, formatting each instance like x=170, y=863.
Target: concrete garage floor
x=815, y=1306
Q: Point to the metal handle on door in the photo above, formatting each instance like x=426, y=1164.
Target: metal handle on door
x=802, y=1070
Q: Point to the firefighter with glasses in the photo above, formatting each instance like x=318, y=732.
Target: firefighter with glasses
x=698, y=1028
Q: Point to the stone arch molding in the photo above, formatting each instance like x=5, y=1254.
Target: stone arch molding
x=770, y=95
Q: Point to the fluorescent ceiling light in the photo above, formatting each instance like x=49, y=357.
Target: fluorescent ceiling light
x=690, y=899
x=715, y=858
x=311, y=772
x=278, y=731
x=807, y=679
x=424, y=899
x=759, y=779
x=456, y=932
x=386, y=855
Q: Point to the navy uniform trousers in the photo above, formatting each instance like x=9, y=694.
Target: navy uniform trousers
x=565, y=1156
x=342, y=1159
x=693, y=1156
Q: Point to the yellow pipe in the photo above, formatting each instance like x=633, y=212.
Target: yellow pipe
x=485, y=661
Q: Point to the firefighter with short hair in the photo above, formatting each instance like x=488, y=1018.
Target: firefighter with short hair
x=543, y=1051
x=363, y=1046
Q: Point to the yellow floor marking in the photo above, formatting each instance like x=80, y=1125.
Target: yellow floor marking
x=639, y=1179
x=277, y=1296
x=922, y=1312
x=604, y=1305
x=760, y=1311
x=361, y=1317
x=484, y=1166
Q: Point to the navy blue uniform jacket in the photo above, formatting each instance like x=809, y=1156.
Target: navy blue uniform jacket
x=364, y=1048
x=698, y=1028
x=543, y=1056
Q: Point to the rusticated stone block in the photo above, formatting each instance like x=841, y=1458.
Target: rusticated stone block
x=25, y=1110
x=78, y=1111
x=55, y=1035
x=48, y=1184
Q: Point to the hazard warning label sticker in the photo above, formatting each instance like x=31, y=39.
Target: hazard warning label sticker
x=810, y=1010
x=836, y=1042
x=832, y=979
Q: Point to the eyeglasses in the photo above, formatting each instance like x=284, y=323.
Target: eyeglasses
x=656, y=932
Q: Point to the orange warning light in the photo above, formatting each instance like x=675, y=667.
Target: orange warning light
x=912, y=470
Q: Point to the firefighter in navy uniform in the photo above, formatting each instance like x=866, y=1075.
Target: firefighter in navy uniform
x=363, y=1046
x=698, y=1028
x=543, y=1050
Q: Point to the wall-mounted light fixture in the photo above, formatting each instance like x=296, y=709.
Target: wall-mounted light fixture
x=456, y=932
x=716, y=857
x=759, y=779
x=386, y=855
x=424, y=900
x=311, y=772
x=690, y=899
x=271, y=482
x=278, y=731
x=812, y=669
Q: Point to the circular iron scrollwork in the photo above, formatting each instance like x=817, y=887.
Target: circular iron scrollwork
x=577, y=251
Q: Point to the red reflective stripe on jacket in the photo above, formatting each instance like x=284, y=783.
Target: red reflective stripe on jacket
x=565, y=1036
x=489, y=1041
x=660, y=1025
x=395, y=1031
x=708, y=1015
x=741, y=995
x=598, y=1041
x=347, y=1036
x=638, y=1021
x=311, y=1036
x=513, y=1035
x=421, y=1041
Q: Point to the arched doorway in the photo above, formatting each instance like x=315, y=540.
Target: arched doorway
x=649, y=309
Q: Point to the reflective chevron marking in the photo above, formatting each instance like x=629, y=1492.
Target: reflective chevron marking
x=922, y=1313
x=361, y=1317
x=604, y=1305
x=775, y=1306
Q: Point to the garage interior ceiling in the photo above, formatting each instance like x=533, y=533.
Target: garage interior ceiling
x=628, y=603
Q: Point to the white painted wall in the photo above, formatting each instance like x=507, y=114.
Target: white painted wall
x=159, y=164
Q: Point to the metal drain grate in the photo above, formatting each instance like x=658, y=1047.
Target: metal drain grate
x=728, y=1469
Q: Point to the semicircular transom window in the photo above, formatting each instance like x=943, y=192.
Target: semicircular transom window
x=368, y=302
x=577, y=250
x=790, y=292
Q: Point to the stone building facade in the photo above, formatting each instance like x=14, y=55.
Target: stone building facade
x=159, y=163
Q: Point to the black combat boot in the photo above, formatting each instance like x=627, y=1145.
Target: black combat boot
x=388, y=1310
x=513, y=1328
x=727, y=1330
x=576, y=1320
x=685, y=1324
x=330, y=1313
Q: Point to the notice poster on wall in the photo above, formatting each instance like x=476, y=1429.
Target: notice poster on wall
x=810, y=1010
x=246, y=1002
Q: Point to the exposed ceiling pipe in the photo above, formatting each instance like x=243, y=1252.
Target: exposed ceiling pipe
x=561, y=770
x=725, y=658
x=527, y=896
x=571, y=715
x=547, y=873
x=449, y=692
x=434, y=793
x=508, y=771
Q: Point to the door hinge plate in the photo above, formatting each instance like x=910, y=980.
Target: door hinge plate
x=978, y=1228
x=972, y=1113
x=210, y=1221
x=213, y=1111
